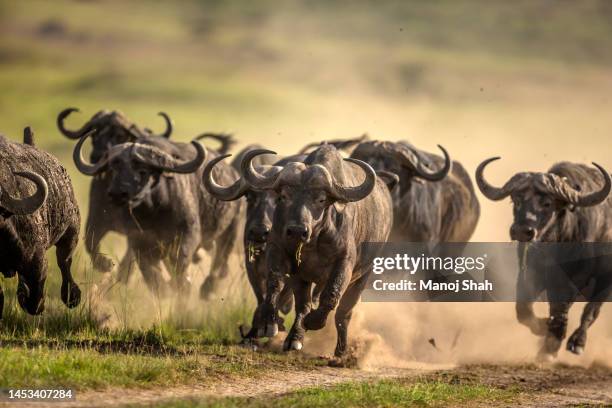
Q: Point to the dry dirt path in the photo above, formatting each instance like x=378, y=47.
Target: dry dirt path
x=555, y=386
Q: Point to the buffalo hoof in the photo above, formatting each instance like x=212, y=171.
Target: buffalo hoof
x=578, y=350
x=343, y=362
x=261, y=332
x=293, y=345
x=103, y=263
x=545, y=357
x=576, y=342
x=250, y=343
x=315, y=320
x=271, y=330
x=552, y=344
x=71, y=295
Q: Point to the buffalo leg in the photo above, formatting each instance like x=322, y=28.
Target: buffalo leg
x=181, y=261
x=1, y=301
x=220, y=265
x=93, y=237
x=71, y=294
x=149, y=259
x=345, y=312
x=577, y=340
x=330, y=296
x=277, y=267
x=31, y=285
x=257, y=280
x=557, y=327
x=302, y=291
x=126, y=266
x=527, y=291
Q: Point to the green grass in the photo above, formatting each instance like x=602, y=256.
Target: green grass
x=142, y=364
x=383, y=393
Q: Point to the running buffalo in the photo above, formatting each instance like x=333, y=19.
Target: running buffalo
x=260, y=210
x=47, y=215
x=568, y=204
x=434, y=200
x=325, y=209
x=156, y=187
x=109, y=128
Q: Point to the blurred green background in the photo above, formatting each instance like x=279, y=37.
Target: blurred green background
x=529, y=80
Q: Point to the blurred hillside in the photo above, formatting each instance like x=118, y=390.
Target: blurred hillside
x=528, y=80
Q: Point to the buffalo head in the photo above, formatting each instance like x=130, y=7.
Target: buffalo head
x=136, y=168
x=402, y=159
x=539, y=197
x=110, y=128
x=306, y=190
x=260, y=203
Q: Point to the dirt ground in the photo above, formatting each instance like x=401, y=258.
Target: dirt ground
x=538, y=386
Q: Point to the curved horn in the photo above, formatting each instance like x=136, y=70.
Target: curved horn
x=252, y=177
x=231, y=193
x=71, y=134
x=226, y=140
x=349, y=194
x=184, y=168
x=589, y=199
x=81, y=164
x=30, y=204
x=489, y=191
x=423, y=172
x=390, y=179
x=169, y=126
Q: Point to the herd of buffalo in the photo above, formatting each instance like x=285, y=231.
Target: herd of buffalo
x=302, y=220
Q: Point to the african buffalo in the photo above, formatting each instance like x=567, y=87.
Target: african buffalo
x=319, y=224
x=47, y=216
x=569, y=203
x=156, y=186
x=112, y=128
x=260, y=209
x=429, y=205
x=109, y=128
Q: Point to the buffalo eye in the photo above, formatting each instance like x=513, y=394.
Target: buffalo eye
x=283, y=196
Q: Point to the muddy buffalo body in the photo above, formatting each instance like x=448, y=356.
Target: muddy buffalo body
x=568, y=204
x=38, y=210
x=325, y=209
x=167, y=215
x=434, y=200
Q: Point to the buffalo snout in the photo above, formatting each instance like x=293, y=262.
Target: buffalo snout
x=297, y=232
x=118, y=196
x=258, y=233
x=522, y=233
